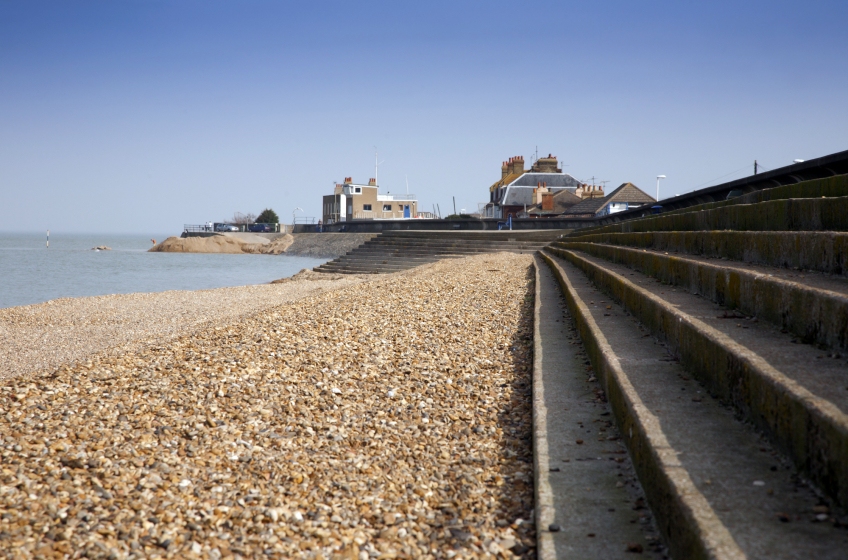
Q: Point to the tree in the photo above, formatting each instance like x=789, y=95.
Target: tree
x=241, y=219
x=268, y=216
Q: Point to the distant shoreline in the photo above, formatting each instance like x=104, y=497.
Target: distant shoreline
x=318, y=245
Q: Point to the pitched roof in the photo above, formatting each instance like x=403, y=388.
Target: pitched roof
x=587, y=206
x=628, y=192
x=505, y=181
x=552, y=180
x=563, y=200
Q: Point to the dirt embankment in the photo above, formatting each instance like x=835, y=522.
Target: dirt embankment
x=329, y=245
x=224, y=244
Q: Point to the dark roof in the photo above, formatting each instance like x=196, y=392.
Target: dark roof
x=563, y=200
x=587, y=206
x=519, y=196
x=628, y=192
x=552, y=180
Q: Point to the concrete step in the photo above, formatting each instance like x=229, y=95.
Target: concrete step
x=718, y=489
x=401, y=250
x=380, y=264
x=587, y=488
x=365, y=269
x=812, y=306
x=535, y=235
x=379, y=257
x=814, y=188
x=823, y=251
x=443, y=251
x=816, y=205
x=797, y=214
x=791, y=391
x=439, y=245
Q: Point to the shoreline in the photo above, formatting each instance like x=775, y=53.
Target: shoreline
x=41, y=336
x=317, y=245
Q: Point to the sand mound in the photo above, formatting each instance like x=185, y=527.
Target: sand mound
x=275, y=247
x=224, y=244
x=213, y=244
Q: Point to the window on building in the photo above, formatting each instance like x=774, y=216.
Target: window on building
x=387, y=207
x=366, y=207
x=357, y=190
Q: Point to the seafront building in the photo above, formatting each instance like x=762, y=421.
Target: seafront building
x=517, y=189
x=354, y=201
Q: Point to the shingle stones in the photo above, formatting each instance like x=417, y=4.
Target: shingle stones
x=386, y=419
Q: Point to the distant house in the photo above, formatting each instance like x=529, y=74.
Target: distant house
x=352, y=201
x=625, y=197
x=514, y=192
x=552, y=204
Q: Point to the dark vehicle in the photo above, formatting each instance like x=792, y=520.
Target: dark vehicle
x=262, y=228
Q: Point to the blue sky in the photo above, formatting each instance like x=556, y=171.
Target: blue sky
x=140, y=116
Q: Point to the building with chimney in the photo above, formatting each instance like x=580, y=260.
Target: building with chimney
x=551, y=204
x=626, y=197
x=354, y=201
x=516, y=191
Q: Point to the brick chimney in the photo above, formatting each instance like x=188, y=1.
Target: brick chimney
x=546, y=165
x=547, y=201
x=372, y=182
x=512, y=165
x=348, y=180
x=540, y=190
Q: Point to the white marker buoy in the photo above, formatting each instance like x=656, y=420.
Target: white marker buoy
x=48, y=238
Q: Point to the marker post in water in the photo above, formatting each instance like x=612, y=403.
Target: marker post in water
x=48, y=238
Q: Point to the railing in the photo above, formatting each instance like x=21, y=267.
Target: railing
x=193, y=228
x=398, y=197
x=305, y=220
x=222, y=227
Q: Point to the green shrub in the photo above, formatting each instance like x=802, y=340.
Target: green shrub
x=267, y=216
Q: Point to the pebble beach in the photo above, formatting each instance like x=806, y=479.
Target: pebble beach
x=365, y=417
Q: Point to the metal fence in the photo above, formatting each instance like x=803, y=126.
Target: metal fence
x=222, y=227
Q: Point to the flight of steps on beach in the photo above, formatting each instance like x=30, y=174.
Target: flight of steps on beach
x=393, y=251
x=719, y=334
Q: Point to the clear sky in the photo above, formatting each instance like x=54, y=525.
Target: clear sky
x=140, y=116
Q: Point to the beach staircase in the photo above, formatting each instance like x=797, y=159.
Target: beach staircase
x=393, y=251
x=718, y=337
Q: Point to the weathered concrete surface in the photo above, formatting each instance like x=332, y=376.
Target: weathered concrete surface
x=579, y=486
x=794, y=214
x=718, y=489
x=814, y=307
x=822, y=251
x=809, y=427
x=689, y=523
x=797, y=207
x=814, y=188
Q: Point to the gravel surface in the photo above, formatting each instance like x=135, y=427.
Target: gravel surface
x=46, y=335
x=387, y=420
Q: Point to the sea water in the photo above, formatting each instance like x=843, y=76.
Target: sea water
x=32, y=273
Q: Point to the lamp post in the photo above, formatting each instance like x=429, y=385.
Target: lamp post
x=294, y=218
x=658, y=186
